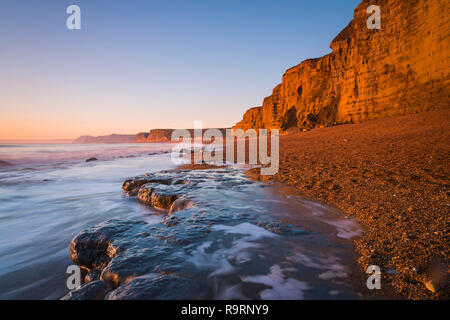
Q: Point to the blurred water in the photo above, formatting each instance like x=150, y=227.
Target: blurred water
x=49, y=194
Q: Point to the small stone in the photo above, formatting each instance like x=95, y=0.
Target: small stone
x=170, y=221
x=430, y=285
x=91, y=159
x=392, y=272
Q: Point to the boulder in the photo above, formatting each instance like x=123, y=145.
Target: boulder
x=180, y=204
x=163, y=200
x=95, y=290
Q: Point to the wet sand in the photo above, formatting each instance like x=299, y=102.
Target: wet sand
x=393, y=176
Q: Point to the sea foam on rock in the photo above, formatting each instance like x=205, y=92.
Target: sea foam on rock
x=201, y=248
x=126, y=252
x=95, y=290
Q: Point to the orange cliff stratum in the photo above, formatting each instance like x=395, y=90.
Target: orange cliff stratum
x=399, y=69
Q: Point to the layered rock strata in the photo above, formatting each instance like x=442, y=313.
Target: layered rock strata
x=399, y=69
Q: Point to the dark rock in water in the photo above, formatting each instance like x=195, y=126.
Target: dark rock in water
x=92, y=276
x=181, y=204
x=167, y=260
x=145, y=195
x=281, y=227
x=4, y=163
x=95, y=290
x=160, y=196
x=114, y=248
x=162, y=189
x=163, y=200
x=132, y=186
x=170, y=220
x=92, y=248
x=157, y=287
x=91, y=159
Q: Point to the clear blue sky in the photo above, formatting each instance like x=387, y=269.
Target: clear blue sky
x=137, y=65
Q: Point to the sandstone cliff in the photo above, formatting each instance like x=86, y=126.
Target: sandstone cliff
x=399, y=69
x=113, y=138
x=155, y=135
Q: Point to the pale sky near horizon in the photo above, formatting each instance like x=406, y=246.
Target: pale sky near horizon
x=138, y=65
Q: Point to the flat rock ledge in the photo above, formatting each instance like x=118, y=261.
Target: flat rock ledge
x=159, y=190
x=132, y=259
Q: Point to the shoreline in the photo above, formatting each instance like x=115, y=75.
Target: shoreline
x=132, y=259
x=392, y=175
x=357, y=276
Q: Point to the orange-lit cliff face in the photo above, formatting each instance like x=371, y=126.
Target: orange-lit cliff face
x=401, y=68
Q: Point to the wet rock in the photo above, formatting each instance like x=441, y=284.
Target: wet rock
x=91, y=253
x=139, y=260
x=163, y=200
x=93, y=248
x=91, y=159
x=131, y=186
x=170, y=220
x=115, y=249
x=92, y=276
x=95, y=290
x=160, y=195
x=281, y=228
x=145, y=195
x=158, y=287
x=181, y=204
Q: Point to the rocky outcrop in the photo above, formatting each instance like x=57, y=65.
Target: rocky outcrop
x=113, y=138
x=216, y=249
x=399, y=69
x=155, y=135
x=159, y=190
x=95, y=290
x=165, y=135
x=252, y=119
x=180, y=204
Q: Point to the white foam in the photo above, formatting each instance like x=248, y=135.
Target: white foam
x=281, y=288
x=252, y=231
x=347, y=228
x=335, y=271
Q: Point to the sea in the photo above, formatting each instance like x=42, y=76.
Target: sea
x=49, y=193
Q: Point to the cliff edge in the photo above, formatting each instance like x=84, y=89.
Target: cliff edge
x=399, y=69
